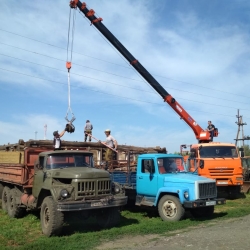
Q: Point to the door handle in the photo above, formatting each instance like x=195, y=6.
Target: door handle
x=140, y=177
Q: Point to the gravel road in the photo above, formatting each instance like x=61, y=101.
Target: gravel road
x=229, y=234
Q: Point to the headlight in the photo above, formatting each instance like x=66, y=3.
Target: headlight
x=64, y=193
x=239, y=178
x=186, y=195
x=117, y=189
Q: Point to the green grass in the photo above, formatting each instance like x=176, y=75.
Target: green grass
x=26, y=233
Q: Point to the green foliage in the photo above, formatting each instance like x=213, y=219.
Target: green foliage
x=246, y=150
x=25, y=233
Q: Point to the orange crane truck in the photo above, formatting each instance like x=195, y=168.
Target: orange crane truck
x=227, y=171
x=35, y=177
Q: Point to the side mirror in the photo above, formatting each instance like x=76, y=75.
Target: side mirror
x=201, y=165
x=192, y=154
x=38, y=166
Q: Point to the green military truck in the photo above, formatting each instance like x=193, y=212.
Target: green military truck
x=57, y=183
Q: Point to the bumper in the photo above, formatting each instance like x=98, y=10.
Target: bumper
x=92, y=204
x=204, y=203
x=229, y=182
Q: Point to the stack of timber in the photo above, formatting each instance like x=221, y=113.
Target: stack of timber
x=124, y=160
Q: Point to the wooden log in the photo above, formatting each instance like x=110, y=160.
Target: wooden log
x=77, y=144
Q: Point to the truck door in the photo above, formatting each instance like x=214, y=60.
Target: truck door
x=38, y=177
x=147, y=178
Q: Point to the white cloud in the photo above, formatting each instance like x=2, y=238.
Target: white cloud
x=202, y=59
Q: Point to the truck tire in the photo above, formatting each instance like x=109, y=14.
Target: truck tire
x=5, y=195
x=51, y=219
x=202, y=212
x=170, y=208
x=13, y=209
x=108, y=217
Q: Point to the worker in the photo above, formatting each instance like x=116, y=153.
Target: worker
x=211, y=128
x=112, y=143
x=88, y=130
x=57, y=139
x=172, y=166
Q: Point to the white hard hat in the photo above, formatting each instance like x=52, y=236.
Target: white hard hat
x=107, y=130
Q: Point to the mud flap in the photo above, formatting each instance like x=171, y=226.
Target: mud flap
x=245, y=188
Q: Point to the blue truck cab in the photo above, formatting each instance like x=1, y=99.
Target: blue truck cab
x=160, y=181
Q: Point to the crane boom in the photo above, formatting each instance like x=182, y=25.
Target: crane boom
x=200, y=134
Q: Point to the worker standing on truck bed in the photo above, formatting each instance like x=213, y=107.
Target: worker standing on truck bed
x=88, y=130
x=211, y=128
x=110, y=142
x=57, y=139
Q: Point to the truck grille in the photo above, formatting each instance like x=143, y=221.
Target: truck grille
x=93, y=188
x=207, y=190
x=221, y=172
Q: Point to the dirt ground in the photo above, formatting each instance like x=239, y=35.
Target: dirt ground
x=229, y=234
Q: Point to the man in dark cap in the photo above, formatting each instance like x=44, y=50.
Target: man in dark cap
x=211, y=128
x=88, y=130
x=57, y=139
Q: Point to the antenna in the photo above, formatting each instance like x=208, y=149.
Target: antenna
x=45, y=131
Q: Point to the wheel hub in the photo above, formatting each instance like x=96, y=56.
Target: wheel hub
x=169, y=209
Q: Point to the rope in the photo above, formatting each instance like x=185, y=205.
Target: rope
x=68, y=64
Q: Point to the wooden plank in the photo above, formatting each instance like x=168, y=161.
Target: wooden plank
x=13, y=174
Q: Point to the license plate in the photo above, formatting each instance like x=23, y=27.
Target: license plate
x=222, y=182
x=96, y=204
x=210, y=203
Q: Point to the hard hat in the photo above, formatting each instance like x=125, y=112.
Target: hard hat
x=107, y=130
x=55, y=133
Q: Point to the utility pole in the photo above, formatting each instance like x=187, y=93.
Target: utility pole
x=240, y=124
x=35, y=134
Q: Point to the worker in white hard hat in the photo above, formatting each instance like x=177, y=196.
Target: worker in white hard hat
x=111, y=142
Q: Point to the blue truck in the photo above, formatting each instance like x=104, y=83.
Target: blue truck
x=160, y=181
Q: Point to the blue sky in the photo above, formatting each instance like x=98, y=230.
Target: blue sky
x=197, y=50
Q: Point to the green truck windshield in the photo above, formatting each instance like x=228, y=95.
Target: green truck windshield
x=69, y=160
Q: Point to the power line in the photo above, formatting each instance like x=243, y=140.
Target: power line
x=152, y=92
x=74, y=62
x=63, y=48
x=44, y=79
x=119, y=64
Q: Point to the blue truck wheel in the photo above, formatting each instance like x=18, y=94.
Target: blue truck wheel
x=170, y=208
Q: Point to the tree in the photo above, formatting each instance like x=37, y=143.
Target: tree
x=246, y=150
